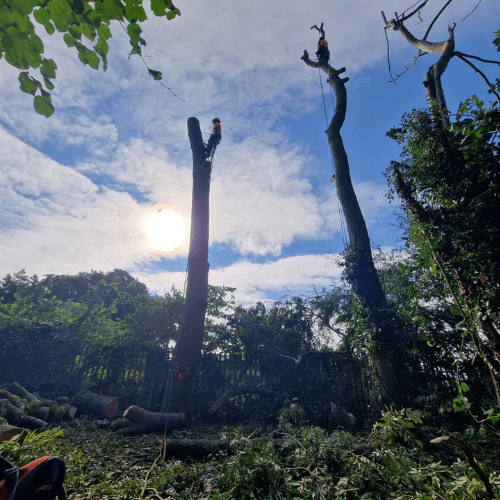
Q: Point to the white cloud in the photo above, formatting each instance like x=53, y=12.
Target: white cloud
x=56, y=220
x=254, y=282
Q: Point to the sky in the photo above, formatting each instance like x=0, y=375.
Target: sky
x=77, y=189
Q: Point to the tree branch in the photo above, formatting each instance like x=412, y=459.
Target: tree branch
x=477, y=70
x=435, y=19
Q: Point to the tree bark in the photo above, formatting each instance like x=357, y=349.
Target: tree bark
x=89, y=403
x=361, y=273
x=187, y=353
x=144, y=421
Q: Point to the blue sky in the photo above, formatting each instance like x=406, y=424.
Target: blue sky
x=77, y=188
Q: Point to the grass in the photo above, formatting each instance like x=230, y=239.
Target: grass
x=288, y=462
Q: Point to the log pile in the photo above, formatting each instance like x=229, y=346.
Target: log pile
x=21, y=408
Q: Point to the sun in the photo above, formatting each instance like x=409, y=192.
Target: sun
x=166, y=230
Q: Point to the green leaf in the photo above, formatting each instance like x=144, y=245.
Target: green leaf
x=158, y=7
x=24, y=7
x=87, y=31
x=74, y=31
x=42, y=16
x=21, y=21
x=155, y=74
x=43, y=105
x=69, y=40
x=60, y=13
x=48, y=84
x=93, y=60
x=101, y=47
x=172, y=13
x=48, y=68
x=22, y=51
x=134, y=11
x=89, y=57
x=78, y=6
x=104, y=32
x=27, y=84
x=111, y=9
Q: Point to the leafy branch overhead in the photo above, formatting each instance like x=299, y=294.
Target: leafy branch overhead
x=79, y=21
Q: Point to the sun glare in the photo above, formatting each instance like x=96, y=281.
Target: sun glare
x=166, y=230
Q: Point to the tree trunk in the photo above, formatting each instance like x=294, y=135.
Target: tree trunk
x=144, y=421
x=89, y=403
x=193, y=449
x=180, y=396
x=361, y=273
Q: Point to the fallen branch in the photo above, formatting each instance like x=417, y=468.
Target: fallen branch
x=470, y=458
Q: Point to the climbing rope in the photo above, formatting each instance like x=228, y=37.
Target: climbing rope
x=171, y=375
x=343, y=225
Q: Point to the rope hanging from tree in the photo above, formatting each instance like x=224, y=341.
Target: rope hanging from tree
x=343, y=224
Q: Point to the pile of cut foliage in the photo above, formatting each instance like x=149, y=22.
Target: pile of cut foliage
x=289, y=461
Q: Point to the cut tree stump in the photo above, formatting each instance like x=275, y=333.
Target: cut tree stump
x=144, y=421
x=89, y=403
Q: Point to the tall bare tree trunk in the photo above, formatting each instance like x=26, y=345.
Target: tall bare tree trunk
x=187, y=354
x=387, y=358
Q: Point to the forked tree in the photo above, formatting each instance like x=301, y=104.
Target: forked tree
x=448, y=183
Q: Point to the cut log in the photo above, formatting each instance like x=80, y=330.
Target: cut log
x=41, y=413
x=194, y=449
x=15, y=388
x=144, y=421
x=15, y=416
x=120, y=423
x=89, y=403
x=7, y=431
x=11, y=399
x=62, y=412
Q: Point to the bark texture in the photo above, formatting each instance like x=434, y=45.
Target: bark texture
x=144, y=421
x=187, y=354
x=387, y=358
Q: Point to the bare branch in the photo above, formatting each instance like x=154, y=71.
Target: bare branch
x=435, y=19
x=478, y=58
x=419, y=54
x=477, y=70
x=388, y=54
x=471, y=12
x=420, y=44
x=418, y=9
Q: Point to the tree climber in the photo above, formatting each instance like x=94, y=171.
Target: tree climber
x=214, y=139
x=322, y=52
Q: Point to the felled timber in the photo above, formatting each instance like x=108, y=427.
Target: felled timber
x=7, y=431
x=98, y=405
x=15, y=388
x=192, y=449
x=144, y=421
x=15, y=416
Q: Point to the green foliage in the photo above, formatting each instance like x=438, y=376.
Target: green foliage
x=23, y=48
x=26, y=446
x=395, y=425
x=497, y=40
x=449, y=182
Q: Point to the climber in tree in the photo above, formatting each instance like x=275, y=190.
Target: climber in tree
x=322, y=51
x=214, y=139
